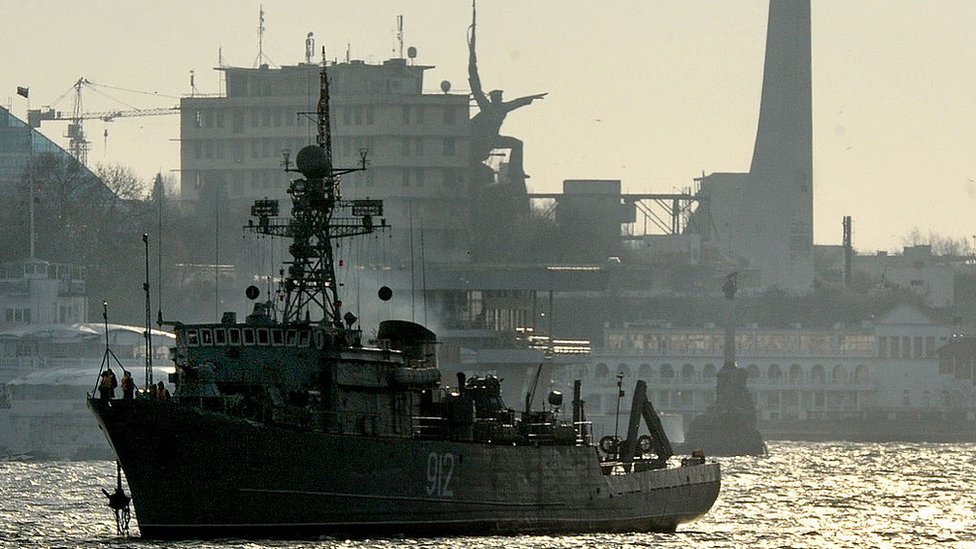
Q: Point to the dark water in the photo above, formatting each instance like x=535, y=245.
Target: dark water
x=802, y=495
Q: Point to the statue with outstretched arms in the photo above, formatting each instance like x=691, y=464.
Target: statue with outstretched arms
x=486, y=124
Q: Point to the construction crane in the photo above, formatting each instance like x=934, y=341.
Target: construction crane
x=78, y=144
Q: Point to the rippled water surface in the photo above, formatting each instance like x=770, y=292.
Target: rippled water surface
x=801, y=495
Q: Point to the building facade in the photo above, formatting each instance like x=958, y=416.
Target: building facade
x=887, y=367
x=234, y=146
x=39, y=292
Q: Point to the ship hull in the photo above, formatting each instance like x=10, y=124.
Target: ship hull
x=199, y=474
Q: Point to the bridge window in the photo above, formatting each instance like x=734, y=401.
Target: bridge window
x=234, y=335
x=220, y=336
x=277, y=337
x=303, y=337
x=206, y=336
x=192, y=338
x=263, y=338
x=248, y=336
x=291, y=337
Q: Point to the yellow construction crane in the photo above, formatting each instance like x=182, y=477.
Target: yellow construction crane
x=78, y=144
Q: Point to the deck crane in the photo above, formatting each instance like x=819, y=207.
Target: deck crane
x=78, y=144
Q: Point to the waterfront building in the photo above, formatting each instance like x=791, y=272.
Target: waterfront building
x=957, y=359
x=799, y=376
x=39, y=292
x=234, y=146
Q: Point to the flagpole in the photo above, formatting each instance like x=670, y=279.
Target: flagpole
x=25, y=93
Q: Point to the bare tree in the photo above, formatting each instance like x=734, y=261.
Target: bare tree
x=941, y=245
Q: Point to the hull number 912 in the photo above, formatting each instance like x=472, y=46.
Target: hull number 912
x=440, y=467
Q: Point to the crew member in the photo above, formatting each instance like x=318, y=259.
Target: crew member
x=128, y=385
x=107, y=385
x=162, y=393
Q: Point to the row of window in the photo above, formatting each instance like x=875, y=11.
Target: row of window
x=906, y=347
x=347, y=115
x=18, y=314
x=277, y=337
x=818, y=373
x=710, y=342
x=242, y=184
x=305, y=83
x=239, y=150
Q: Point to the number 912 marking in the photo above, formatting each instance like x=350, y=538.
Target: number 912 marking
x=440, y=467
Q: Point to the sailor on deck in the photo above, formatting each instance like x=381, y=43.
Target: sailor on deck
x=128, y=385
x=162, y=393
x=107, y=385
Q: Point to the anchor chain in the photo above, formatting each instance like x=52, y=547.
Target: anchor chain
x=119, y=502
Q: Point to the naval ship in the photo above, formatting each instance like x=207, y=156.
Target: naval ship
x=292, y=424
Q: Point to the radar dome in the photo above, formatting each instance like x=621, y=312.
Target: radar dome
x=313, y=162
x=445, y=86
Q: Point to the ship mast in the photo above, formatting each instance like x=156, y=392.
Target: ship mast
x=309, y=278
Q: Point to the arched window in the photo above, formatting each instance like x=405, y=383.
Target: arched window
x=667, y=372
x=687, y=372
x=752, y=371
x=623, y=369
x=602, y=372
x=861, y=373
x=818, y=375
x=708, y=372
x=645, y=372
x=773, y=373
x=840, y=374
x=796, y=373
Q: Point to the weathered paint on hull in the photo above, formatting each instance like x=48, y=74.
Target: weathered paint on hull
x=197, y=474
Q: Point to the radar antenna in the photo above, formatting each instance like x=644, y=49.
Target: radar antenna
x=310, y=283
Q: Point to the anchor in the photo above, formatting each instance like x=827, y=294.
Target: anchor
x=119, y=502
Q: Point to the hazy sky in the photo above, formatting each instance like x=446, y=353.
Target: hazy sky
x=649, y=92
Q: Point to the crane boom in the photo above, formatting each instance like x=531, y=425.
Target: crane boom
x=36, y=116
x=77, y=142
